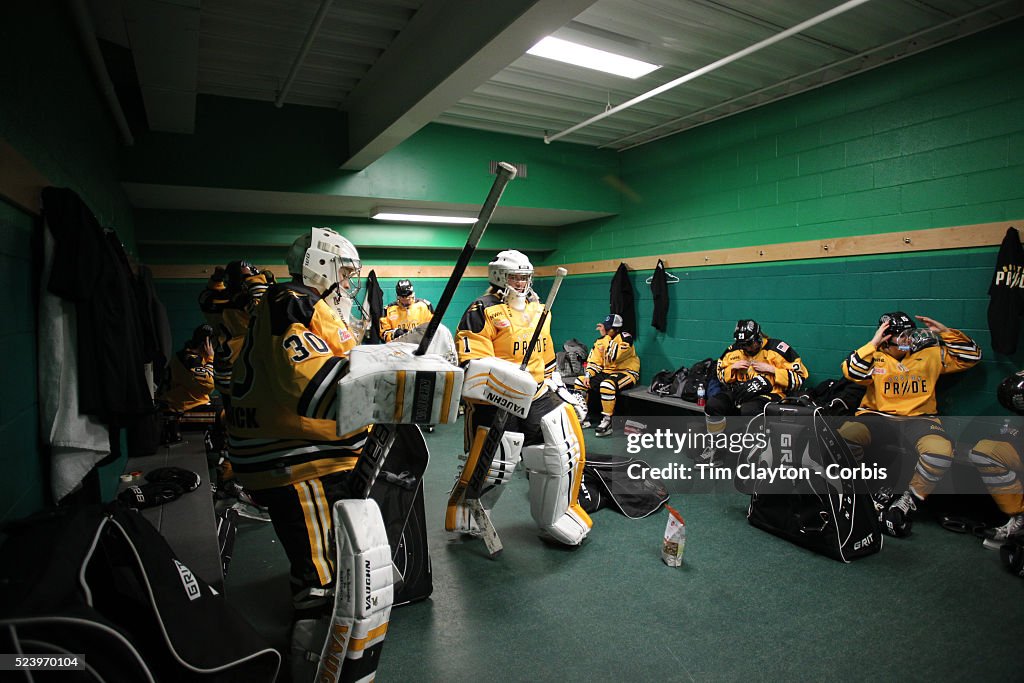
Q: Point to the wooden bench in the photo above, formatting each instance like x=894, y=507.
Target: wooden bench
x=641, y=394
x=189, y=523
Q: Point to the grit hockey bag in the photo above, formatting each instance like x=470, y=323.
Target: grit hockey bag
x=832, y=516
x=607, y=483
x=101, y=581
x=399, y=493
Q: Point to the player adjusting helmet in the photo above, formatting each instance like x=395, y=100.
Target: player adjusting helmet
x=507, y=263
x=404, y=288
x=235, y=274
x=1011, y=393
x=318, y=256
x=747, y=331
x=898, y=322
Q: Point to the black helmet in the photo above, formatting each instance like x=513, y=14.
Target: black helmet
x=746, y=331
x=404, y=288
x=1011, y=393
x=235, y=274
x=200, y=335
x=898, y=322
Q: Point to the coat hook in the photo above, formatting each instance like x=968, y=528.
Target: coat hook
x=760, y=252
x=906, y=240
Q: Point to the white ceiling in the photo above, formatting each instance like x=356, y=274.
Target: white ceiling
x=396, y=65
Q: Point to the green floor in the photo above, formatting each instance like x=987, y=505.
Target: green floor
x=744, y=606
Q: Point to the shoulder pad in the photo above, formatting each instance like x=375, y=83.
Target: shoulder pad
x=288, y=304
x=782, y=348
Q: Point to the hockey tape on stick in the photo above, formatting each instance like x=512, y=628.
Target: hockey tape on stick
x=505, y=173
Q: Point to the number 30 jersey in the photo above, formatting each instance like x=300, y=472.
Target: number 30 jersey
x=281, y=424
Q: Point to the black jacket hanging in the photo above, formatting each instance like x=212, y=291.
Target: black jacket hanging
x=659, y=290
x=375, y=302
x=622, y=301
x=1006, y=299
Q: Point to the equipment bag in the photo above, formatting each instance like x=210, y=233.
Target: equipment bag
x=102, y=581
x=669, y=382
x=399, y=494
x=574, y=358
x=835, y=517
x=700, y=373
x=607, y=484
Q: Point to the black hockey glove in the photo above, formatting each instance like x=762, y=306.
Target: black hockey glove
x=398, y=333
x=755, y=387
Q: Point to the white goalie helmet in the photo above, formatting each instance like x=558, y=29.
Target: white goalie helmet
x=319, y=256
x=510, y=262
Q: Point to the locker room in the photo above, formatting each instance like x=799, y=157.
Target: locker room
x=810, y=166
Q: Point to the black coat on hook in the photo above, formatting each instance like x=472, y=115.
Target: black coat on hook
x=659, y=290
x=622, y=300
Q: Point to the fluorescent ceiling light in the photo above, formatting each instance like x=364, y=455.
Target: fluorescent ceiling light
x=390, y=213
x=591, y=58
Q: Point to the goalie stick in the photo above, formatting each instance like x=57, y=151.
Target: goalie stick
x=490, y=448
x=382, y=436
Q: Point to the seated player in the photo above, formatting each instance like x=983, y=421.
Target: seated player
x=612, y=366
x=404, y=313
x=1001, y=466
x=900, y=366
x=495, y=332
x=754, y=370
x=189, y=380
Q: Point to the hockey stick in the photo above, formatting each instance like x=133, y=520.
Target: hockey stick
x=505, y=173
x=493, y=441
x=382, y=437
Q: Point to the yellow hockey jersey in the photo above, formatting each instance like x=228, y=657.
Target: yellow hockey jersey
x=490, y=328
x=234, y=321
x=907, y=387
x=190, y=381
x=790, y=371
x=613, y=355
x=281, y=423
x=398, y=317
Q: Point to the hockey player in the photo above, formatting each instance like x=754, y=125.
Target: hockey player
x=1001, y=466
x=404, y=313
x=612, y=366
x=189, y=380
x=283, y=439
x=754, y=370
x=900, y=366
x=499, y=325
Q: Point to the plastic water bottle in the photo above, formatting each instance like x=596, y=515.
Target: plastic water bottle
x=700, y=394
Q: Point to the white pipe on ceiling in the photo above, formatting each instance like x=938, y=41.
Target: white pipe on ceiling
x=87, y=34
x=314, y=28
x=813, y=21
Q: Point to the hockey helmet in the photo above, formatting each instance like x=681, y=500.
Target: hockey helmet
x=747, y=332
x=235, y=274
x=898, y=322
x=915, y=339
x=1011, y=393
x=200, y=335
x=404, y=288
x=507, y=263
x=318, y=257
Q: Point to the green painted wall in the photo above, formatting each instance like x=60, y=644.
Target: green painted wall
x=50, y=113
x=933, y=141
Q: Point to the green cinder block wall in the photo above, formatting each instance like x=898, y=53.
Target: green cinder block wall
x=51, y=113
x=935, y=140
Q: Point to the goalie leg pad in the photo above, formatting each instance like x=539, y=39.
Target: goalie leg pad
x=363, y=594
x=556, y=470
x=457, y=515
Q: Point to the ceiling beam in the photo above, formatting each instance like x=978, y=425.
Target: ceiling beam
x=448, y=49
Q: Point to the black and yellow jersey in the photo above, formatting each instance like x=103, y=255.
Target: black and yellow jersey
x=907, y=387
x=613, y=355
x=398, y=317
x=234, y=321
x=190, y=380
x=490, y=328
x=213, y=298
x=790, y=371
x=281, y=421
